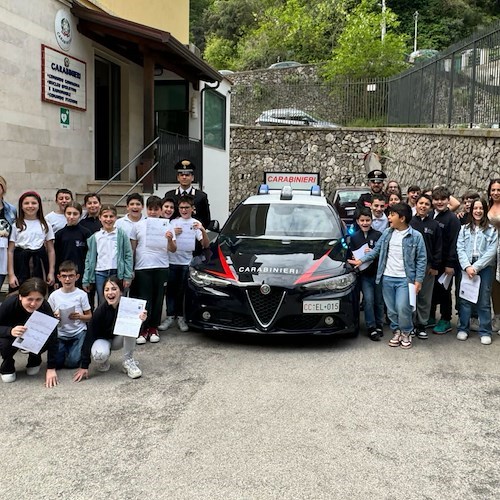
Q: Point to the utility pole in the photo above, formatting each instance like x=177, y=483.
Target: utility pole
x=383, y=21
x=415, y=16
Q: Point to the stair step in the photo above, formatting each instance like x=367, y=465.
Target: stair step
x=115, y=187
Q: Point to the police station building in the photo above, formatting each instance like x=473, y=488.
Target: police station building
x=88, y=85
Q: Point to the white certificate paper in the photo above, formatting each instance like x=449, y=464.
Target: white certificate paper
x=40, y=326
x=412, y=294
x=128, y=323
x=64, y=315
x=187, y=239
x=156, y=233
x=360, y=252
x=469, y=288
x=445, y=280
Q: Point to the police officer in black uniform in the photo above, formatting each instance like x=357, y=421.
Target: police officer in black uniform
x=376, y=183
x=185, y=176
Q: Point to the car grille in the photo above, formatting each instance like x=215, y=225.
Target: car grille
x=265, y=307
x=299, y=322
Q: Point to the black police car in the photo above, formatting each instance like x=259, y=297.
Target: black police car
x=277, y=266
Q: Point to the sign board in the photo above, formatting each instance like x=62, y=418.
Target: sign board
x=63, y=79
x=300, y=181
x=63, y=29
x=64, y=117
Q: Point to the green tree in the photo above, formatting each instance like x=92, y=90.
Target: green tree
x=361, y=53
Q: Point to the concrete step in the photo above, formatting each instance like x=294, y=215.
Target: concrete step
x=115, y=187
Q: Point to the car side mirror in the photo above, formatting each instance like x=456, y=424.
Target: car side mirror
x=214, y=226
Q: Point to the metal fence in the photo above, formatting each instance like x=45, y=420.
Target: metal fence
x=460, y=87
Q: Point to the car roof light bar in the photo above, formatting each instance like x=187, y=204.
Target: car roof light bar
x=286, y=193
x=263, y=189
x=315, y=191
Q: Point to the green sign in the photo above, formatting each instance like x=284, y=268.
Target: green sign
x=64, y=117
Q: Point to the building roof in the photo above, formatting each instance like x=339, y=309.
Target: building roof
x=133, y=40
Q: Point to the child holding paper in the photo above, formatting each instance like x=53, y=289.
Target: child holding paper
x=100, y=339
x=476, y=249
x=362, y=242
x=14, y=312
x=71, y=306
x=187, y=231
x=402, y=262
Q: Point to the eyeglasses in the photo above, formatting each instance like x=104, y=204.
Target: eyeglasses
x=67, y=276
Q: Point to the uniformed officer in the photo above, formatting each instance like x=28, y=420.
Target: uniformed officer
x=376, y=183
x=185, y=176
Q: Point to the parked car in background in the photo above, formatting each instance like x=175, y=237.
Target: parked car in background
x=291, y=116
x=226, y=72
x=284, y=64
x=344, y=199
x=278, y=266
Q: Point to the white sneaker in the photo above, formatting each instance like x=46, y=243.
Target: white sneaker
x=181, y=323
x=486, y=339
x=130, y=367
x=462, y=335
x=32, y=370
x=8, y=377
x=169, y=321
x=103, y=366
x=155, y=336
x=474, y=324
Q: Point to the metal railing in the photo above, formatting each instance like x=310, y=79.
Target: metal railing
x=172, y=148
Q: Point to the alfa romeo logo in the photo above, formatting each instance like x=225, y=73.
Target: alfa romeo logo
x=265, y=289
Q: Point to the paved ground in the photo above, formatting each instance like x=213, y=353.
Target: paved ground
x=262, y=419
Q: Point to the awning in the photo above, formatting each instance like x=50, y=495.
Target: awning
x=133, y=40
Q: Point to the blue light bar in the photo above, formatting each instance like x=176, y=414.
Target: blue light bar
x=263, y=189
x=315, y=190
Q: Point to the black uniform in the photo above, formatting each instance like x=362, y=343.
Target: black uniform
x=71, y=244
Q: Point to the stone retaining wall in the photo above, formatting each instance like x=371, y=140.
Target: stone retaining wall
x=461, y=159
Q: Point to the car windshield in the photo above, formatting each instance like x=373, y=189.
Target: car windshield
x=278, y=220
x=349, y=196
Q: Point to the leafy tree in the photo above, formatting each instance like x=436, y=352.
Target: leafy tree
x=361, y=53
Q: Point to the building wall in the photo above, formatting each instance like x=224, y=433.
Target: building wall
x=166, y=15
x=460, y=159
x=36, y=152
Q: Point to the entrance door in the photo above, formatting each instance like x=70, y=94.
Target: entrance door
x=107, y=118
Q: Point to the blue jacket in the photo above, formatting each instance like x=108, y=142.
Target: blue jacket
x=486, y=247
x=414, y=255
x=10, y=212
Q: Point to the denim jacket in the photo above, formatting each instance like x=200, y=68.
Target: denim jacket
x=486, y=247
x=414, y=255
x=10, y=212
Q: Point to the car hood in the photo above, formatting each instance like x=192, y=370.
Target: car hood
x=278, y=262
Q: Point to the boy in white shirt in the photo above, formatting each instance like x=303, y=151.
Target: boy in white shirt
x=56, y=218
x=71, y=306
x=187, y=231
x=150, y=239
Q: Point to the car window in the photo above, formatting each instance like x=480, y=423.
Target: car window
x=349, y=196
x=283, y=220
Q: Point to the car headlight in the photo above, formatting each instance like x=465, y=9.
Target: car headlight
x=204, y=279
x=337, y=283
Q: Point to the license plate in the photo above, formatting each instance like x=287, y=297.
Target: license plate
x=320, y=306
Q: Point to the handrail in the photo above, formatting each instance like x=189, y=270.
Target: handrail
x=137, y=182
x=126, y=166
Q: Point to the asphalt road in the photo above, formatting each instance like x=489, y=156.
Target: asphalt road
x=262, y=419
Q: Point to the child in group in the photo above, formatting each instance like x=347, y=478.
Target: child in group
x=476, y=248
x=14, y=312
x=56, y=218
x=72, y=328
x=109, y=253
x=8, y=216
x=393, y=199
x=402, y=261
x=135, y=205
x=167, y=208
x=379, y=219
x=430, y=230
x=90, y=220
x=372, y=292
x=150, y=239
x=450, y=226
x=413, y=193
x=71, y=241
x=467, y=199
x=31, y=244
x=100, y=340
x=187, y=231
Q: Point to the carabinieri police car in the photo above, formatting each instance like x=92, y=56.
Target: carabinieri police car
x=277, y=266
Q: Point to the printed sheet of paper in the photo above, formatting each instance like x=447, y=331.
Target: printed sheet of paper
x=445, y=280
x=128, y=323
x=412, y=296
x=40, y=326
x=155, y=233
x=64, y=315
x=469, y=288
x=360, y=252
x=187, y=239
